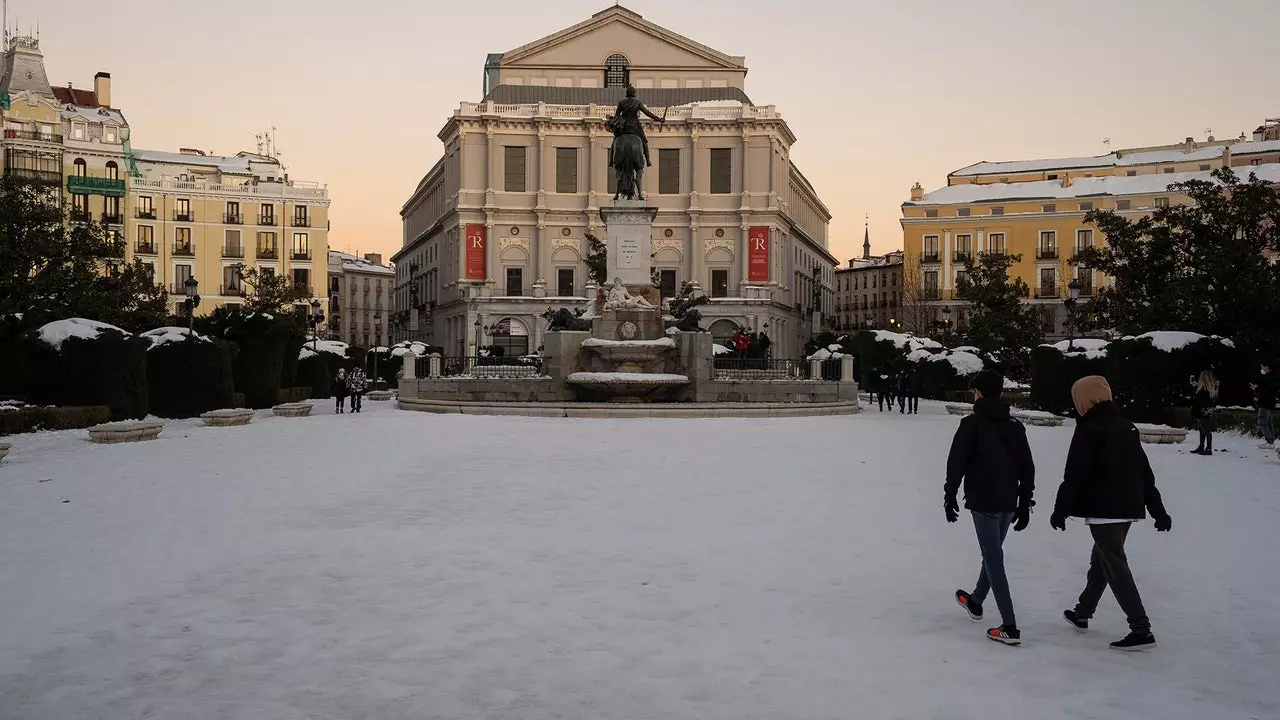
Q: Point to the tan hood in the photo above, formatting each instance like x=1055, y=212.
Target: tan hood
x=1089, y=391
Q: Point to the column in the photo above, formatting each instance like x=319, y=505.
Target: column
x=494, y=169
x=491, y=270
x=944, y=282
x=546, y=168
x=541, y=257
x=744, y=255
x=746, y=171
x=698, y=251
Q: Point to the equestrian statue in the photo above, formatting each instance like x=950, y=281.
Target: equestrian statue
x=630, y=154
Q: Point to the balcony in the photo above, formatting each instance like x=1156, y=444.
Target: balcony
x=962, y=256
x=931, y=256
x=232, y=219
x=300, y=254
x=112, y=219
x=36, y=136
x=231, y=291
x=294, y=189
x=52, y=178
x=268, y=253
x=1047, y=291
x=147, y=214
x=178, y=288
x=302, y=222
x=1045, y=253
x=184, y=250
x=144, y=248
x=82, y=185
x=233, y=251
x=183, y=216
x=269, y=220
x=80, y=216
x=306, y=288
x=1086, y=290
x=932, y=293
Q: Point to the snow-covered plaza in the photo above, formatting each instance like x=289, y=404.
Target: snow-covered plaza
x=406, y=566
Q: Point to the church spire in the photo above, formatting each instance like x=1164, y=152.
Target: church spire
x=866, y=239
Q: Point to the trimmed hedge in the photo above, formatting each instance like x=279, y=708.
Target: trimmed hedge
x=30, y=419
x=110, y=370
x=259, y=361
x=1053, y=374
x=188, y=378
x=872, y=354
x=319, y=371
x=295, y=394
x=1245, y=421
x=289, y=370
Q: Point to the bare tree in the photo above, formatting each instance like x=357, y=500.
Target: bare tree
x=918, y=312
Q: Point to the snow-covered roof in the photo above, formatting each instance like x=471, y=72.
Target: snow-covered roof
x=358, y=264
x=232, y=165
x=93, y=114
x=1117, y=159
x=1149, y=184
x=57, y=331
x=165, y=335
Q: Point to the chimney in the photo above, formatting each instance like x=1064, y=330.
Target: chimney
x=1226, y=156
x=375, y=258
x=917, y=193
x=102, y=88
x=1066, y=180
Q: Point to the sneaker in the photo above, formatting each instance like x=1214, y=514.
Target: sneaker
x=1077, y=622
x=1008, y=635
x=1135, y=641
x=971, y=606
x=1266, y=445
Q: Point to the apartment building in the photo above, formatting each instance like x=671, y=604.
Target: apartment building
x=360, y=306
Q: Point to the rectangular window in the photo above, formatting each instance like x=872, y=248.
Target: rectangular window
x=1255, y=162
x=719, y=283
x=669, y=171
x=182, y=210
x=233, y=213
x=1084, y=239
x=1048, y=282
x=721, y=171
x=667, y=283
x=1048, y=249
x=230, y=280
x=515, y=282
x=231, y=247
x=300, y=217
x=1168, y=171
x=180, y=275
x=146, y=240
x=566, y=170
x=962, y=212
x=78, y=131
x=513, y=168
x=146, y=207
x=301, y=246
x=302, y=279
x=1204, y=167
x=267, y=246
x=564, y=282
x=997, y=211
x=109, y=134
x=931, y=213
x=182, y=241
x=962, y=277
x=1049, y=208
x=267, y=214
x=1131, y=173
x=1051, y=177
x=1086, y=206
x=931, y=248
x=1123, y=204
x=931, y=285
x=964, y=247
x=1162, y=202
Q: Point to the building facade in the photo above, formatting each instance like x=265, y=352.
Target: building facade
x=184, y=214
x=496, y=232
x=360, y=299
x=1036, y=209
x=868, y=292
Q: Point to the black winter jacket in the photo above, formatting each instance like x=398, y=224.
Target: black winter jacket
x=1266, y=391
x=990, y=453
x=1200, y=404
x=1107, y=473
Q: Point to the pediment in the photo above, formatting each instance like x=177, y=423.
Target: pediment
x=618, y=30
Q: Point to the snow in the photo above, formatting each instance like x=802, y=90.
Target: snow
x=333, y=347
x=626, y=377
x=165, y=335
x=1081, y=345
x=392, y=565
x=1169, y=341
x=1014, y=385
x=659, y=343
x=234, y=165
x=965, y=363
x=916, y=356
x=57, y=331
x=907, y=342
x=1124, y=159
x=968, y=349
x=718, y=349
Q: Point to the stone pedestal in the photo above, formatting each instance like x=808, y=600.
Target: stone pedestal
x=629, y=239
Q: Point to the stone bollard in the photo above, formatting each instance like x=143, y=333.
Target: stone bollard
x=433, y=365
x=846, y=368
x=409, y=369
x=815, y=369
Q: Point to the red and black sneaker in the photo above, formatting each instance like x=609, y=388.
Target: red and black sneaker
x=971, y=606
x=1006, y=634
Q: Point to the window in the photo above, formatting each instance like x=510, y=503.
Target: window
x=110, y=133
x=1084, y=239
x=931, y=285
x=1131, y=173
x=1204, y=167
x=146, y=207
x=931, y=251
x=515, y=282
x=182, y=210
x=302, y=279
x=721, y=171
x=181, y=273
x=111, y=210
x=962, y=212
x=565, y=286
x=1255, y=162
x=1051, y=177
x=1048, y=282
x=79, y=131
x=1168, y=171
x=617, y=71
x=146, y=240
x=997, y=211
x=1162, y=202
x=964, y=247
x=931, y=213
x=667, y=283
x=669, y=171
x=267, y=245
x=719, y=283
x=231, y=246
x=1049, y=208
x=566, y=170
x=300, y=218
x=301, y=246
x=82, y=168
x=1123, y=204
x=514, y=169
x=962, y=277
x=1086, y=206
x=182, y=241
x=267, y=214
x=1048, y=245
x=230, y=280
x=113, y=170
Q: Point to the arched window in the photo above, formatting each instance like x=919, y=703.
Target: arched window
x=113, y=170
x=82, y=168
x=617, y=71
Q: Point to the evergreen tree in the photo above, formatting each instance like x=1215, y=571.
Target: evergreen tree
x=685, y=301
x=1201, y=267
x=597, y=260
x=1000, y=322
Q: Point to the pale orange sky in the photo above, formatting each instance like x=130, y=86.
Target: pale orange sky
x=880, y=94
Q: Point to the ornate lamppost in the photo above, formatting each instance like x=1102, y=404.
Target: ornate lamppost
x=190, y=285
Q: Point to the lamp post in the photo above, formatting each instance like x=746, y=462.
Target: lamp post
x=1073, y=296
x=190, y=285
x=946, y=324
x=317, y=317
x=870, y=319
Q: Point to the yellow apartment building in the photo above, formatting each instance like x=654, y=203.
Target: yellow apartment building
x=1036, y=209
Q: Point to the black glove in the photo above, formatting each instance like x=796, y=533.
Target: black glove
x=1021, y=518
x=952, y=507
x=1058, y=521
x=1164, y=523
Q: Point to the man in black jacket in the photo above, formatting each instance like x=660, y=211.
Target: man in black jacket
x=991, y=455
x=1108, y=482
x=913, y=391
x=1264, y=389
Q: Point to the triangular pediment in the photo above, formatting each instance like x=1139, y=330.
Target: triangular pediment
x=618, y=29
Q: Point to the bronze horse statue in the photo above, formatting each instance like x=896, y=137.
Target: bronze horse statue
x=630, y=155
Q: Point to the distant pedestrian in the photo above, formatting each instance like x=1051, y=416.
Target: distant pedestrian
x=913, y=391
x=990, y=454
x=340, y=391
x=903, y=390
x=1264, y=389
x=765, y=342
x=888, y=384
x=1108, y=482
x=357, y=384
x=1206, y=396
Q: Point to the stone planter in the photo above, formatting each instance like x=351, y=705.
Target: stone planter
x=1161, y=434
x=378, y=395
x=126, y=431
x=227, y=418
x=1035, y=417
x=4, y=450
x=292, y=410
x=959, y=408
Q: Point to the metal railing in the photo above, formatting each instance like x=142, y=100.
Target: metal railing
x=268, y=254
x=301, y=254
x=301, y=222
x=298, y=189
x=230, y=251
x=145, y=248
x=183, y=216
x=144, y=214
x=178, y=288
x=734, y=368
x=33, y=135
x=931, y=257
x=230, y=290
x=1045, y=253
x=1047, y=291
x=44, y=177
x=232, y=219
x=267, y=220
x=185, y=250
x=962, y=256
x=112, y=218
x=486, y=366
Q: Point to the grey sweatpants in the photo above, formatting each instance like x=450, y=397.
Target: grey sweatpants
x=1109, y=566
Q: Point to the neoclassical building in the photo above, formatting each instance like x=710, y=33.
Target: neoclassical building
x=359, y=299
x=495, y=233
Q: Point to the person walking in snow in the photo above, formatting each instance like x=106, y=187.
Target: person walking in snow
x=991, y=456
x=913, y=391
x=887, y=385
x=1108, y=482
x=904, y=385
x=357, y=383
x=1264, y=389
x=340, y=391
x=1206, y=396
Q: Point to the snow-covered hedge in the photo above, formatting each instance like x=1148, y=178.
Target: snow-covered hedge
x=187, y=378
x=83, y=362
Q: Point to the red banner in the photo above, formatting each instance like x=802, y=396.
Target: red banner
x=758, y=254
x=476, y=247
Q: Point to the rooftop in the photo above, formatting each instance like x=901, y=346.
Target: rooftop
x=653, y=97
x=354, y=263
x=1122, y=158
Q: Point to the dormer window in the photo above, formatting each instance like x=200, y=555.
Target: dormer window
x=79, y=131
x=617, y=71
x=110, y=133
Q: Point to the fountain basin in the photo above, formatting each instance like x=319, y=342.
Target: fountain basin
x=630, y=355
x=626, y=386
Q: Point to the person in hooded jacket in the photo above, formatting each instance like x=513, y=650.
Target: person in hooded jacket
x=340, y=390
x=1108, y=482
x=904, y=387
x=357, y=383
x=990, y=454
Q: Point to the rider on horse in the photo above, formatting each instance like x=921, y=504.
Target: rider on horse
x=626, y=121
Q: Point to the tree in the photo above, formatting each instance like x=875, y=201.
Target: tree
x=685, y=301
x=53, y=268
x=1201, y=267
x=597, y=260
x=918, y=312
x=1000, y=321
x=271, y=293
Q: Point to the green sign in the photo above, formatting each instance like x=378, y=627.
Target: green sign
x=5, y=100
x=95, y=186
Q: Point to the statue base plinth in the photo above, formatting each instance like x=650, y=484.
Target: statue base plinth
x=629, y=239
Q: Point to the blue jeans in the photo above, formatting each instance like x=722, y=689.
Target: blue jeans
x=1266, y=425
x=992, y=529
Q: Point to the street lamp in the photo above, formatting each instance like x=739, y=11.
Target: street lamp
x=190, y=285
x=870, y=319
x=1073, y=293
x=317, y=317
x=946, y=324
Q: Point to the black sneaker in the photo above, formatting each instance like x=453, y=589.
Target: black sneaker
x=1007, y=634
x=1077, y=622
x=971, y=606
x=1135, y=641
